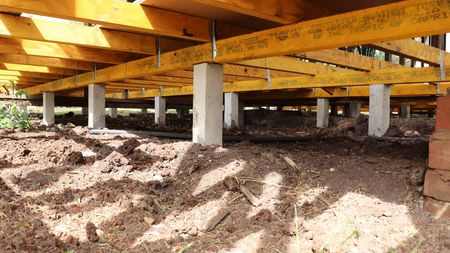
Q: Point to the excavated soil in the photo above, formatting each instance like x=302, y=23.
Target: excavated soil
x=64, y=190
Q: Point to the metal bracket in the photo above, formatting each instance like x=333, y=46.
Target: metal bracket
x=158, y=52
x=347, y=90
x=212, y=36
x=441, y=70
x=441, y=62
x=143, y=92
x=161, y=90
x=268, y=79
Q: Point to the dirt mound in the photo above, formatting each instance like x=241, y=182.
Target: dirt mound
x=344, y=194
x=128, y=146
x=74, y=158
x=113, y=163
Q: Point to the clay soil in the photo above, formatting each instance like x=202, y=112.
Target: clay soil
x=65, y=190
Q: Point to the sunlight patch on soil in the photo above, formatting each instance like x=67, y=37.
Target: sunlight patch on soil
x=74, y=223
x=249, y=244
x=360, y=223
x=196, y=219
x=270, y=193
x=311, y=195
x=218, y=175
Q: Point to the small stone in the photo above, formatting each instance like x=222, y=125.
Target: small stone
x=332, y=169
x=231, y=183
x=193, y=231
x=412, y=134
x=91, y=232
x=14, y=179
x=149, y=220
x=74, y=158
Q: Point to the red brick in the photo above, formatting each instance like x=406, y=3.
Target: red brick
x=439, y=153
x=437, y=184
x=443, y=113
x=439, y=209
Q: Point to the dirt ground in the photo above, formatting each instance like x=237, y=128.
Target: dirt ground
x=64, y=190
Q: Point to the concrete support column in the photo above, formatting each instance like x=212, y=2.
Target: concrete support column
x=160, y=111
x=84, y=111
x=49, y=108
x=113, y=113
x=404, y=111
x=352, y=110
x=208, y=104
x=231, y=110
x=96, y=105
x=323, y=106
x=379, y=109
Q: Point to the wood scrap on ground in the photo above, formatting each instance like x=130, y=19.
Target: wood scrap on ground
x=233, y=185
x=212, y=223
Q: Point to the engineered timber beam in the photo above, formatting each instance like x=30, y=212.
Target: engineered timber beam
x=45, y=61
x=400, y=20
x=117, y=15
x=384, y=76
x=279, y=11
x=292, y=64
x=348, y=59
x=400, y=90
x=50, y=49
x=415, y=50
x=35, y=29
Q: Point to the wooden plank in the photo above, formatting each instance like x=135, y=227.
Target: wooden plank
x=147, y=82
x=28, y=74
x=292, y=64
x=348, y=59
x=37, y=69
x=118, y=15
x=384, y=76
x=40, y=30
x=45, y=61
x=279, y=11
x=23, y=79
x=400, y=20
x=413, y=49
x=50, y=49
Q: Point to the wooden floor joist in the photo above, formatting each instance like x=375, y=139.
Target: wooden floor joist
x=414, y=50
x=117, y=15
x=292, y=64
x=45, y=61
x=37, y=69
x=56, y=50
x=40, y=30
x=401, y=20
x=348, y=59
x=28, y=74
x=282, y=12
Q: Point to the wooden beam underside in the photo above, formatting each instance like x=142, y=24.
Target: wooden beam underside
x=405, y=20
x=38, y=55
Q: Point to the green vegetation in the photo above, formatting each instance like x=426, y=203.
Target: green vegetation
x=14, y=116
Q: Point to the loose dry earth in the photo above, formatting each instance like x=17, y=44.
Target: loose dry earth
x=64, y=190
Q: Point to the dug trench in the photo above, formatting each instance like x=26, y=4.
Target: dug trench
x=65, y=190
